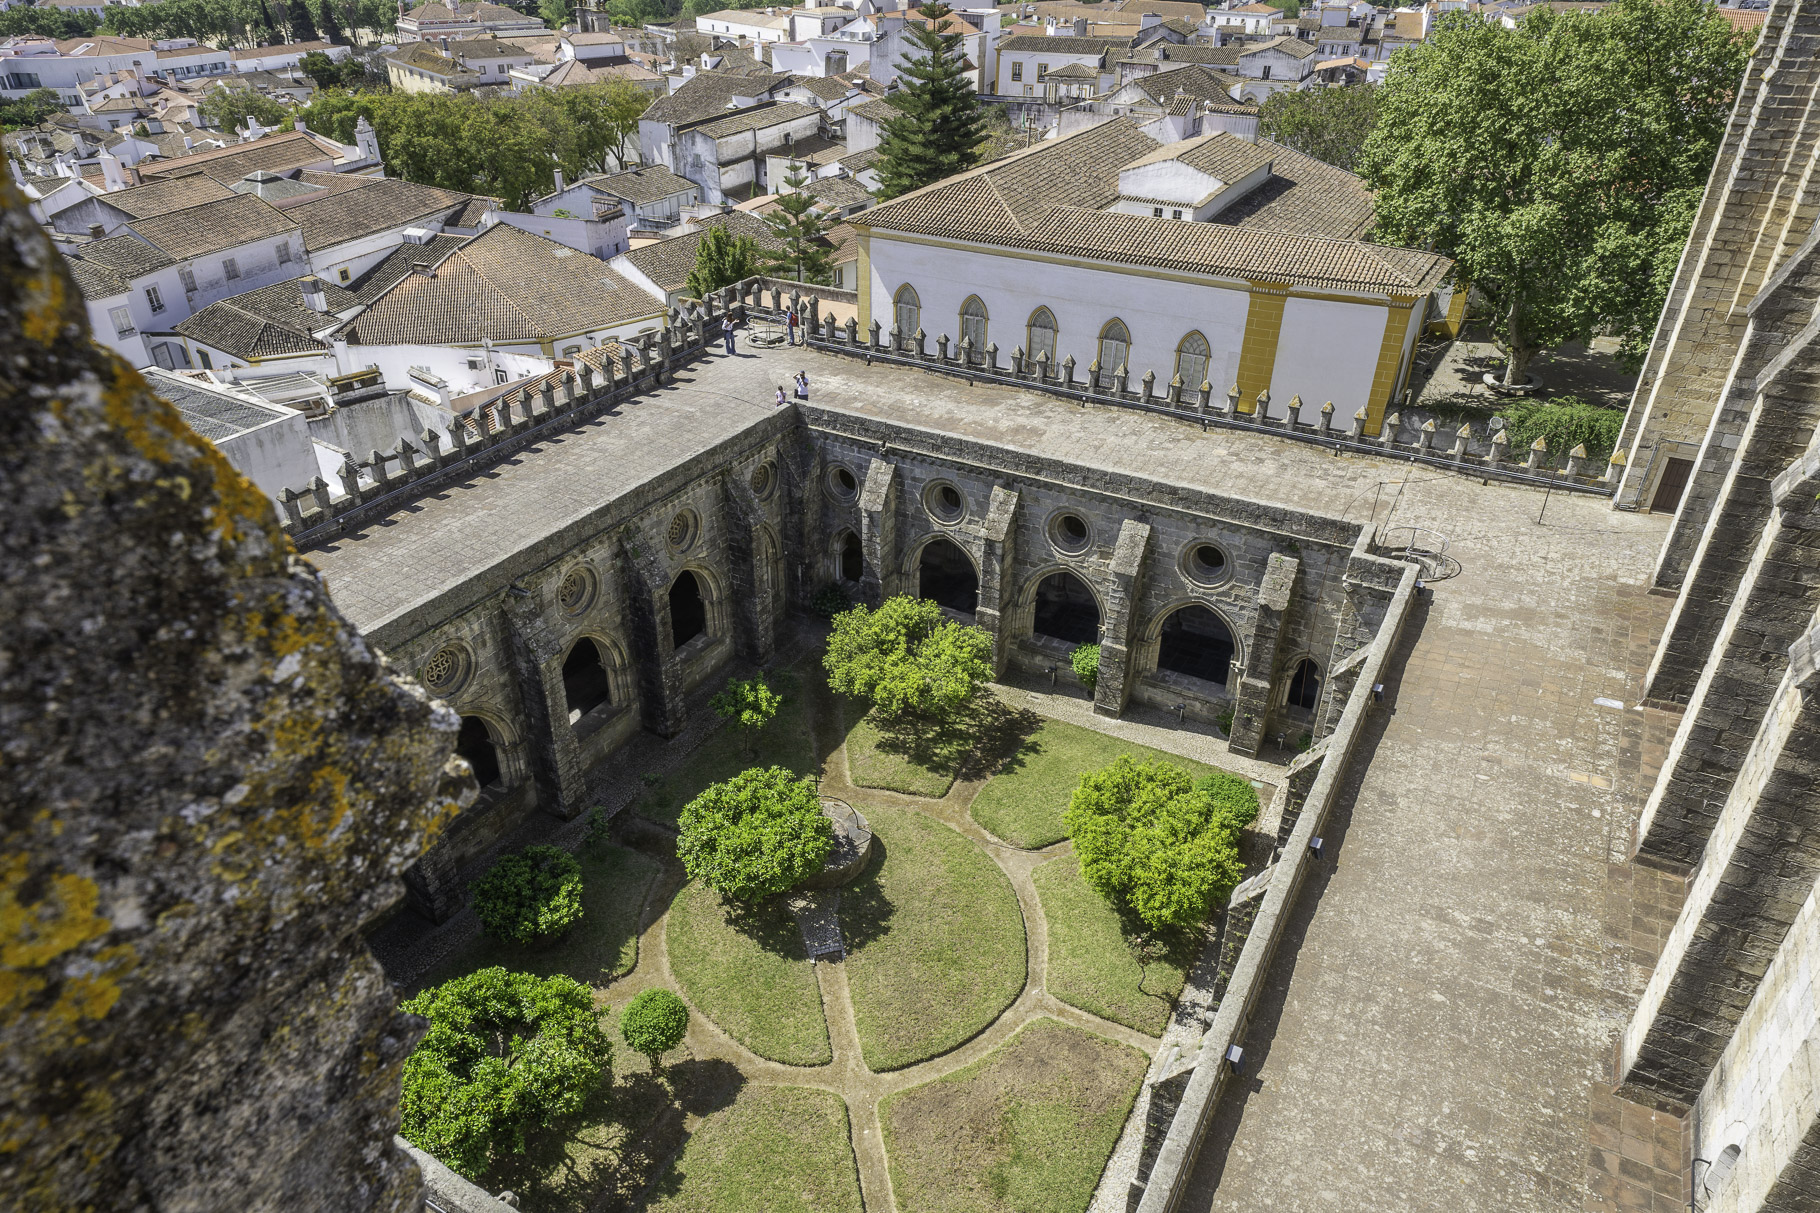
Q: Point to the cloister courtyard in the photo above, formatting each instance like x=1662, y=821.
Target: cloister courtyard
x=975, y=1034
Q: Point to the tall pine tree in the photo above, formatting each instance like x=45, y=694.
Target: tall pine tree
x=331, y=25
x=802, y=252
x=937, y=133
x=303, y=26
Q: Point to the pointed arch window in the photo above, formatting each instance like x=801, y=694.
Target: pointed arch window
x=908, y=311
x=1191, y=361
x=1115, y=350
x=1041, y=341
x=973, y=326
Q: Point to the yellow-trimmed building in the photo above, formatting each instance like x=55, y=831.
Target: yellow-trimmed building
x=1217, y=259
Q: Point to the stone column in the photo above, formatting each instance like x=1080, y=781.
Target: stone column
x=998, y=557
x=1760, y=867
x=1127, y=583
x=536, y=655
x=878, y=531
x=433, y=884
x=647, y=597
x=754, y=607
x=1255, y=685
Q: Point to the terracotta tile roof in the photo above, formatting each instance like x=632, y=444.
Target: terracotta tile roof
x=266, y=323
x=1074, y=71
x=214, y=227
x=858, y=162
x=1293, y=47
x=288, y=48
x=472, y=211
x=1193, y=81
x=503, y=285
x=828, y=88
x=1058, y=45
x=881, y=110
x=1340, y=33
x=707, y=94
x=488, y=48
x=1220, y=154
x=1048, y=199
x=841, y=192
x=757, y=118
x=652, y=183
x=425, y=57
x=1213, y=56
x=144, y=201
x=1304, y=196
x=382, y=203
x=103, y=268
x=397, y=263
x=668, y=262
x=279, y=153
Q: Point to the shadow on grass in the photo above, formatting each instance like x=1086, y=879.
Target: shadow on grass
x=767, y=923
x=982, y=736
x=1178, y=948
x=865, y=910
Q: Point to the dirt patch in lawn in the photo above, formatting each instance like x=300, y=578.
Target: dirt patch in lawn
x=1026, y=1129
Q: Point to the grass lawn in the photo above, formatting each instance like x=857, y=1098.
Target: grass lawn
x=1025, y=1129
x=935, y=941
x=924, y=758
x=775, y=1150
x=1090, y=966
x=753, y=979
x=787, y=741
x=1024, y=802
x=602, y=946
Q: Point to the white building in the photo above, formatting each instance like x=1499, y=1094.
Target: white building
x=288, y=55
x=726, y=157
x=1276, y=293
x=1025, y=61
x=267, y=443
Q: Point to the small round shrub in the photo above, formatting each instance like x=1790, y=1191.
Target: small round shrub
x=530, y=897
x=506, y=1054
x=653, y=1023
x=760, y=833
x=1086, y=663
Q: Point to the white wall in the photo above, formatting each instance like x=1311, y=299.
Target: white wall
x=275, y=456
x=1327, y=351
x=590, y=236
x=258, y=264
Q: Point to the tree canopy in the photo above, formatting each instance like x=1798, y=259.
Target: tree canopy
x=721, y=260
x=530, y=896
x=506, y=1054
x=653, y=1023
x=247, y=22
x=1159, y=847
x=756, y=835
x=1330, y=124
x=749, y=703
x=907, y=657
x=939, y=130
x=47, y=23
x=31, y=109
x=1560, y=164
x=230, y=108
x=803, y=253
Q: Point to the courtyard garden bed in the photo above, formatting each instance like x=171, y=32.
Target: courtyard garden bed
x=1026, y=1129
x=1091, y=964
x=924, y=758
x=1023, y=803
x=787, y=741
x=935, y=941
x=602, y=946
x=774, y=1150
x=750, y=974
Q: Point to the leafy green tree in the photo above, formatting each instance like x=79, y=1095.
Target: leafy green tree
x=756, y=835
x=749, y=703
x=331, y=25
x=230, y=108
x=1329, y=124
x=532, y=896
x=323, y=71
x=1086, y=662
x=47, y=23
x=507, y=1054
x=555, y=13
x=803, y=252
x=721, y=260
x=1560, y=164
x=939, y=131
x=1564, y=422
x=907, y=657
x=31, y=109
x=1158, y=847
x=303, y=22
x=653, y=1023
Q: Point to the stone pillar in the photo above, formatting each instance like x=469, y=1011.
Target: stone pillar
x=1126, y=584
x=646, y=592
x=433, y=884
x=536, y=655
x=1762, y=614
x=754, y=609
x=878, y=530
x=998, y=556
x=1760, y=867
x=1255, y=685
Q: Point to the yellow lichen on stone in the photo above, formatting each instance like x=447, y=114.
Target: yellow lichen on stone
x=35, y=933
x=45, y=301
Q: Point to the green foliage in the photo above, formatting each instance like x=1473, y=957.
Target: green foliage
x=830, y=601
x=939, y=132
x=749, y=703
x=248, y=22
x=803, y=253
x=303, y=22
x=47, y=23
x=599, y=835
x=907, y=657
x=230, y=109
x=1329, y=124
x=502, y=147
x=31, y=109
x=555, y=13
x=756, y=835
x=1086, y=663
x=506, y=1054
x=1564, y=422
x=533, y=895
x=1224, y=720
x=1560, y=163
x=329, y=73
x=1156, y=845
x=721, y=260
x=653, y=1023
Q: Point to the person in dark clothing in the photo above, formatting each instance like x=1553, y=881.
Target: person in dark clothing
x=726, y=332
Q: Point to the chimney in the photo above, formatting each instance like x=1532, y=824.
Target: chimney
x=559, y=183
x=445, y=44
x=1080, y=27
x=314, y=297
x=188, y=144
x=95, y=231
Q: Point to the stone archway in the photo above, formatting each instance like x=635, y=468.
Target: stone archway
x=849, y=559
x=586, y=684
x=1196, y=642
x=946, y=576
x=1065, y=609
x=475, y=743
x=1304, y=686
x=688, y=609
